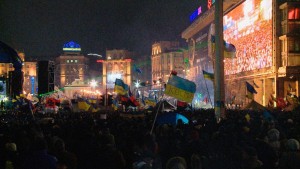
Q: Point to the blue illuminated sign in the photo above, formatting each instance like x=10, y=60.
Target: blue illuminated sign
x=206, y=5
x=32, y=81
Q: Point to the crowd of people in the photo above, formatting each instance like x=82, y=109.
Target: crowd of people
x=245, y=139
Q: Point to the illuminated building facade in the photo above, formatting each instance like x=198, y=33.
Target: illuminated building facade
x=30, y=77
x=166, y=56
x=29, y=70
x=118, y=64
x=5, y=68
x=266, y=36
x=71, y=65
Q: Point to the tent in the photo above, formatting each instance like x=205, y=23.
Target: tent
x=171, y=118
x=253, y=105
x=164, y=105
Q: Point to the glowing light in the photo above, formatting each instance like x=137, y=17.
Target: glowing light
x=93, y=83
x=95, y=54
x=72, y=49
x=137, y=84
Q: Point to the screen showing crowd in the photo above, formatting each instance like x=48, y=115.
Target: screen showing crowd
x=249, y=28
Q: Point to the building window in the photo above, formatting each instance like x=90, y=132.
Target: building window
x=71, y=61
x=76, y=61
x=68, y=61
x=294, y=45
x=294, y=13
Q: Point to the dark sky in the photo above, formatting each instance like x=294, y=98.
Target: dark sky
x=40, y=27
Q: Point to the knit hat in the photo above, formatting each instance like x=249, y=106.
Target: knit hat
x=292, y=145
x=11, y=146
x=176, y=163
x=273, y=135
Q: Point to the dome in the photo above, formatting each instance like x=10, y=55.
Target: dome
x=71, y=46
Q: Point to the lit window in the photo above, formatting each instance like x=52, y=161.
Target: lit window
x=76, y=61
x=294, y=13
x=71, y=61
x=68, y=61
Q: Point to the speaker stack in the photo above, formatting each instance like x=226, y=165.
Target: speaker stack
x=45, y=77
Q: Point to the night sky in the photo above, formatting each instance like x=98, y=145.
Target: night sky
x=40, y=28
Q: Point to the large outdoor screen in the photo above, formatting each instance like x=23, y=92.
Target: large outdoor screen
x=249, y=28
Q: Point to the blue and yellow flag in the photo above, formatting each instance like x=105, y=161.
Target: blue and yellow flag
x=120, y=87
x=150, y=102
x=83, y=105
x=229, y=49
x=207, y=75
x=250, y=88
x=137, y=70
x=115, y=103
x=251, y=91
x=180, y=88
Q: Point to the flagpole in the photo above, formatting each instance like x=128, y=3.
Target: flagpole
x=208, y=93
x=156, y=116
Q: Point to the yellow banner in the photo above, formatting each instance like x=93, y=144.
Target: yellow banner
x=180, y=94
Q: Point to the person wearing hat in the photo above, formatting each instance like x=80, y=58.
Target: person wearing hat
x=290, y=159
x=11, y=156
x=176, y=162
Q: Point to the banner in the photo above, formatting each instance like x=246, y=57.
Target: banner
x=181, y=89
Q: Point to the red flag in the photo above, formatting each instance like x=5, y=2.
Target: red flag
x=173, y=72
x=281, y=103
x=181, y=103
x=124, y=99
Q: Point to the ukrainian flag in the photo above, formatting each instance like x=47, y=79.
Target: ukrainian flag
x=180, y=88
x=251, y=91
x=120, y=87
x=250, y=88
x=207, y=75
x=83, y=105
x=229, y=49
x=150, y=102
